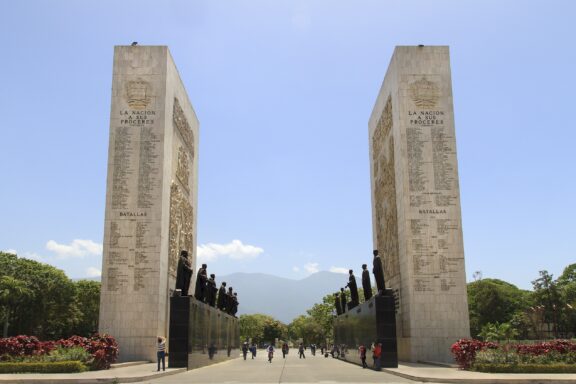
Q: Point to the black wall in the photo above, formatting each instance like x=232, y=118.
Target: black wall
x=200, y=334
x=373, y=321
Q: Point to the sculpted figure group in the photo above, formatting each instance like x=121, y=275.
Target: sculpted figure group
x=341, y=303
x=206, y=290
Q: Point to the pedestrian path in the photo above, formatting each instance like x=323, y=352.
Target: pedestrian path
x=313, y=369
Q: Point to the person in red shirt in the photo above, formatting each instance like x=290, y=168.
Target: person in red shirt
x=376, y=353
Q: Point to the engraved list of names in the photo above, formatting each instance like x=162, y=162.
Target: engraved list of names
x=434, y=233
x=136, y=183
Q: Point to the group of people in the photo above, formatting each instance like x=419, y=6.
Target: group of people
x=341, y=301
x=206, y=290
x=376, y=349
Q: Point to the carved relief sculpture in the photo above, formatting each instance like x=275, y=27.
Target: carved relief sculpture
x=385, y=193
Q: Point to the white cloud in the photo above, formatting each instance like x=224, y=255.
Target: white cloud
x=338, y=270
x=77, y=248
x=93, y=272
x=234, y=250
x=296, y=269
x=311, y=267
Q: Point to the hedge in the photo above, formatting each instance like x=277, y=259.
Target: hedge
x=55, y=367
x=524, y=368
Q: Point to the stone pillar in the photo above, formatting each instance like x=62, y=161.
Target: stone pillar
x=151, y=197
x=416, y=215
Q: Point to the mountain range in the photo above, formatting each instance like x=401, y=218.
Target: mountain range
x=282, y=298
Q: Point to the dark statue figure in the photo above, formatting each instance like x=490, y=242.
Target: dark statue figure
x=337, y=303
x=183, y=273
x=354, y=299
x=235, y=304
x=229, y=301
x=343, y=300
x=366, y=286
x=211, y=290
x=201, y=280
x=221, y=303
x=378, y=272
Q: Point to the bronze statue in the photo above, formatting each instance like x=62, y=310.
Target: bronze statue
x=221, y=303
x=337, y=304
x=229, y=301
x=366, y=286
x=235, y=304
x=201, y=280
x=378, y=272
x=183, y=273
x=343, y=300
x=354, y=299
x=211, y=290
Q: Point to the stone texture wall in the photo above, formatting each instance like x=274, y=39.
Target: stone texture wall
x=151, y=197
x=416, y=202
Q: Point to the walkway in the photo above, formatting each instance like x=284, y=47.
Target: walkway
x=313, y=369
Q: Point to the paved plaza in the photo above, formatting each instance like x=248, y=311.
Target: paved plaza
x=313, y=369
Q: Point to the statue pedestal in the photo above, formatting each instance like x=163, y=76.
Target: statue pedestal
x=373, y=321
x=200, y=335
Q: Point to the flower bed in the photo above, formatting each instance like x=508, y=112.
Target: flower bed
x=544, y=357
x=96, y=352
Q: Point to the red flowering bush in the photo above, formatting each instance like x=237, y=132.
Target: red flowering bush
x=102, y=348
x=23, y=345
x=558, y=346
x=464, y=351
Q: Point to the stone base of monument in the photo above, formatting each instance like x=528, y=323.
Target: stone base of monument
x=200, y=335
x=373, y=321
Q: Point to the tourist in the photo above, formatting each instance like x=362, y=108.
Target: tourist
x=376, y=353
x=270, y=353
x=245, y=350
x=301, y=351
x=253, y=350
x=313, y=349
x=362, y=352
x=161, y=352
x=284, y=350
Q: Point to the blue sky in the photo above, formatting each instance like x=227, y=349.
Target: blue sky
x=283, y=91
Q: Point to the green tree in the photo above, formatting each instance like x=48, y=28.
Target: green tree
x=261, y=328
x=494, y=301
x=87, y=302
x=50, y=312
x=547, y=295
x=13, y=292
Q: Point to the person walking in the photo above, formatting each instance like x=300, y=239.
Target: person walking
x=253, y=350
x=376, y=353
x=362, y=352
x=245, y=350
x=301, y=351
x=284, y=350
x=161, y=352
x=313, y=349
x=270, y=353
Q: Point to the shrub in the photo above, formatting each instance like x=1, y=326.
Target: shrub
x=23, y=345
x=472, y=353
x=524, y=368
x=103, y=348
x=42, y=367
x=464, y=351
x=98, y=351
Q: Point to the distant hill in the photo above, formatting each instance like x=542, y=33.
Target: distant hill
x=281, y=298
